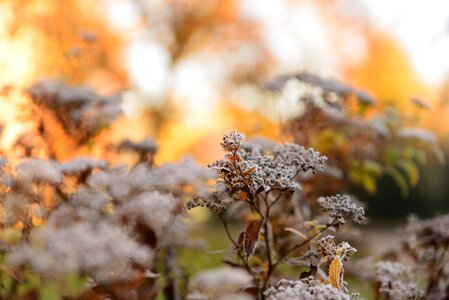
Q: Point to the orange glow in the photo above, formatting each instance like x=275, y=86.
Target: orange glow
x=67, y=40
x=386, y=72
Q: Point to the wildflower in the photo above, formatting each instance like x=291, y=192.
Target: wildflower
x=34, y=170
x=253, y=169
x=81, y=165
x=396, y=280
x=156, y=210
x=146, y=146
x=232, y=141
x=79, y=109
x=217, y=202
x=417, y=134
x=221, y=282
x=103, y=251
x=340, y=207
x=420, y=103
x=364, y=98
x=306, y=288
x=328, y=251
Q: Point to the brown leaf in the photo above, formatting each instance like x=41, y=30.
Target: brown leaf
x=250, y=171
x=251, y=237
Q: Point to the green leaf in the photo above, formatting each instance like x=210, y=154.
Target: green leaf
x=6, y=283
x=411, y=170
x=49, y=292
x=372, y=167
x=420, y=157
x=391, y=156
x=75, y=284
x=399, y=179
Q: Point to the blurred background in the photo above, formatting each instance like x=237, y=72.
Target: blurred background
x=191, y=70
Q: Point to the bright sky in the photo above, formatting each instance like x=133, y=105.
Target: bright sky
x=423, y=29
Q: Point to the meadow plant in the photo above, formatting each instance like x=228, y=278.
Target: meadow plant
x=84, y=227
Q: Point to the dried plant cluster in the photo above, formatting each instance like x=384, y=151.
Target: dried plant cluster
x=88, y=228
x=362, y=144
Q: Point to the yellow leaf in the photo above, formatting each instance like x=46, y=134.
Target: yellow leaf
x=297, y=232
x=335, y=272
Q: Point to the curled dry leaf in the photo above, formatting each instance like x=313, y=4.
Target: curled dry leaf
x=251, y=237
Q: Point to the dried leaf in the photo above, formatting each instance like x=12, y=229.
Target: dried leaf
x=335, y=269
x=250, y=171
x=298, y=233
x=242, y=196
x=251, y=237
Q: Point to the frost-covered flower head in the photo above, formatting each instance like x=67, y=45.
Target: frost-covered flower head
x=81, y=165
x=340, y=207
x=103, y=251
x=232, y=141
x=328, y=250
x=79, y=109
x=418, y=134
x=395, y=279
x=221, y=282
x=37, y=170
x=254, y=169
x=306, y=288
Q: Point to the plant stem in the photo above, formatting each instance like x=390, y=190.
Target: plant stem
x=297, y=246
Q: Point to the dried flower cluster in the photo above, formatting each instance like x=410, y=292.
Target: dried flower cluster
x=111, y=224
x=80, y=109
x=219, y=283
x=389, y=276
x=251, y=170
x=121, y=226
x=306, y=288
x=361, y=147
x=340, y=207
x=102, y=250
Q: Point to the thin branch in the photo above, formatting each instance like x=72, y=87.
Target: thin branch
x=305, y=242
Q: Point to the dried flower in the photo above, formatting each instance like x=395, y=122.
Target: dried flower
x=327, y=249
x=146, y=148
x=157, y=211
x=221, y=282
x=216, y=201
x=81, y=165
x=396, y=280
x=36, y=170
x=79, y=109
x=232, y=141
x=420, y=103
x=340, y=207
x=306, y=288
x=103, y=251
x=252, y=169
x=417, y=134
x=365, y=98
